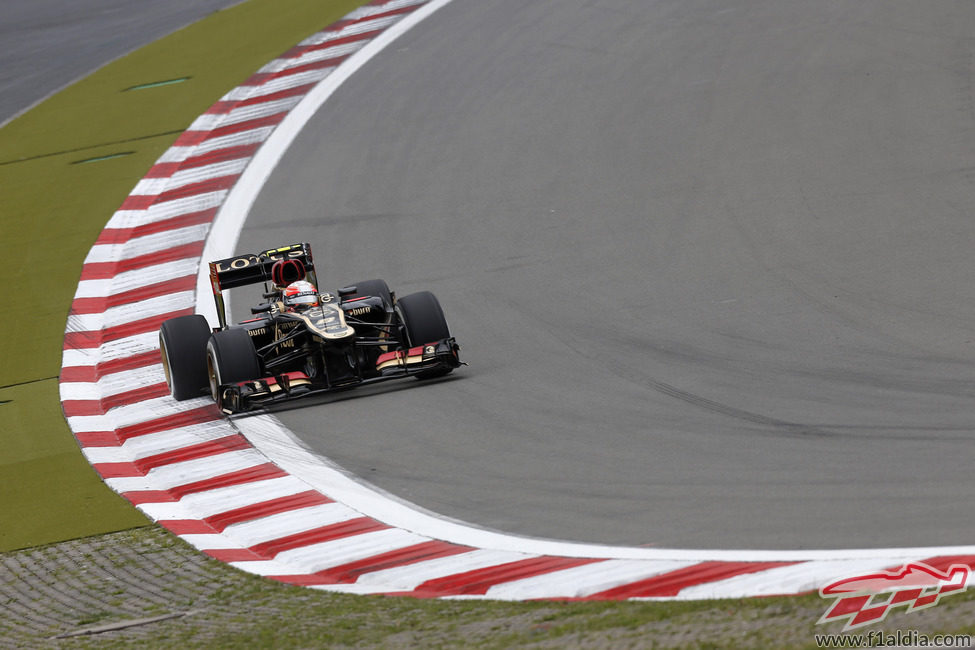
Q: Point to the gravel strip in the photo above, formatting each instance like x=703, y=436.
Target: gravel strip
x=147, y=588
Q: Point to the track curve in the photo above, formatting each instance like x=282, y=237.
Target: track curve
x=708, y=265
x=243, y=491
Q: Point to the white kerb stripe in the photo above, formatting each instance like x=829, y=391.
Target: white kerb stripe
x=130, y=280
x=582, y=581
x=160, y=241
x=289, y=523
x=273, y=567
x=410, y=576
x=116, y=350
x=153, y=444
x=807, y=576
x=113, y=384
x=182, y=178
x=323, y=54
x=123, y=314
x=318, y=557
x=211, y=121
x=172, y=476
x=221, y=500
x=277, y=84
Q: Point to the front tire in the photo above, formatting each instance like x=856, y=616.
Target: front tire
x=182, y=346
x=373, y=288
x=423, y=322
x=230, y=358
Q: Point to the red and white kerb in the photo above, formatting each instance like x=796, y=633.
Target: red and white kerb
x=246, y=492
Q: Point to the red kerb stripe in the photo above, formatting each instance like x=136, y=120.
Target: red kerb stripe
x=672, y=582
x=226, y=107
x=191, y=138
x=267, y=508
x=138, y=497
x=99, y=305
x=208, y=413
x=350, y=572
x=342, y=529
x=136, y=395
x=95, y=338
x=308, y=67
x=256, y=473
x=102, y=406
x=203, y=187
x=944, y=562
x=480, y=580
x=97, y=439
x=300, y=50
x=226, y=154
x=233, y=555
x=235, y=442
x=138, y=202
x=117, y=470
x=246, y=125
x=186, y=526
x=386, y=14
x=297, y=91
x=105, y=270
x=249, y=475
x=101, y=369
x=122, y=235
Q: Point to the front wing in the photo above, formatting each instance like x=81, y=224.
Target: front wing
x=248, y=395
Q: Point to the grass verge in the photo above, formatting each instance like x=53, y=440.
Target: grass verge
x=65, y=167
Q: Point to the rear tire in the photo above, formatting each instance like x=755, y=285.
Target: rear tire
x=423, y=322
x=182, y=346
x=230, y=358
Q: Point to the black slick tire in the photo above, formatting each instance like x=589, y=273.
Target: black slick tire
x=182, y=345
x=230, y=358
x=373, y=288
x=423, y=322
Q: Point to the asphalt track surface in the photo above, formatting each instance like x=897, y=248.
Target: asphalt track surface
x=710, y=265
x=46, y=45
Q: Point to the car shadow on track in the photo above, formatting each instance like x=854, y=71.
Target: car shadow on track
x=351, y=393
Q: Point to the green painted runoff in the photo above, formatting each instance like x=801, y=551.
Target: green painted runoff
x=65, y=167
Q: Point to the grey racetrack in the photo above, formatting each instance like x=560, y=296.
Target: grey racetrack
x=710, y=263
x=48, y=44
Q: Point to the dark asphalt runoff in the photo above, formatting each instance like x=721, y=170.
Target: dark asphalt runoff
x=46, y=45
x=711, y=265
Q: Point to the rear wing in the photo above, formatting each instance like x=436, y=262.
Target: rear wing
x=247, y=269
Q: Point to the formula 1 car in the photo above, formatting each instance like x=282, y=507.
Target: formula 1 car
x=302, y=344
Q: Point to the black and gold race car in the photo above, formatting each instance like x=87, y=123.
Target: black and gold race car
x=322, y=341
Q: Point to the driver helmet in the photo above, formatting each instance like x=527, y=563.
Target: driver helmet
x=300, y=295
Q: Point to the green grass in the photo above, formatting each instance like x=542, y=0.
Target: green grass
x=53, y=210
x=48, y=491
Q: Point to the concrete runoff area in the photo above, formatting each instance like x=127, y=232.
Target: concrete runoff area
x=709, y=265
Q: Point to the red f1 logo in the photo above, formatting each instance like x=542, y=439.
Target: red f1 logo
x=866, y=599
